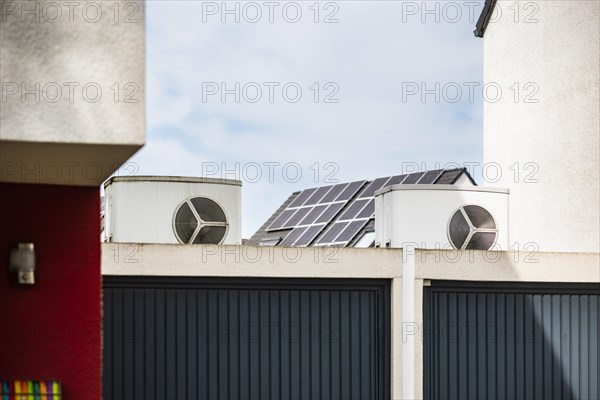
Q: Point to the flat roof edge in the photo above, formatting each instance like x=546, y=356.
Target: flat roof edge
x=455, y=188
x=171, y=179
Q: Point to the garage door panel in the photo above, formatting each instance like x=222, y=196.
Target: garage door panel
x=336, y=350
x=511, y=341
x=594, y=353
x=170, y=346
x=186, y=338
x=296, y=334
x=243, y=345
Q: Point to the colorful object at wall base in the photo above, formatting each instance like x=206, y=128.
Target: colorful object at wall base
x=30, y=390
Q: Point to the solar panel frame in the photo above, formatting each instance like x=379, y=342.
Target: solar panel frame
x=430, y=176
x=297, y=217
x=302, y=197
x=330, y=213
x=449, y=176
x=413, y=178
x=309, y=235
x=350, y=231
x=374, y=186
x=313, y=214
x=294, y=235
x=396, y=180
x=353, y=210
x=333, y=193
x=333, y=232
x=368, y=211
x=301, y=212
x=281, y=219
x=317, y=195
x=350, y=191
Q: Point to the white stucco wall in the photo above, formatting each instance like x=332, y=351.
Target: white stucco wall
x=555, y=62
x=72, y=76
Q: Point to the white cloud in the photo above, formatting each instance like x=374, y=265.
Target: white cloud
x=167, y=156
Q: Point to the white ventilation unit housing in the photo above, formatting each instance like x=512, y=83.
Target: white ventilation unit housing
x=152, y=209
x=442, y=216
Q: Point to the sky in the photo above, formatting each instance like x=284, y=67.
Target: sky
x=290, y=95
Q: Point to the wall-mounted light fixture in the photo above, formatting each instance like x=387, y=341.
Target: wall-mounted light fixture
x=22, y=263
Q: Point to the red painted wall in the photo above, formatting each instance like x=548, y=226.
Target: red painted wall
x=52, y=330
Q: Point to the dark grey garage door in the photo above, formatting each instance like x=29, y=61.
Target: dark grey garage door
x=192, y=338
x=511, y=341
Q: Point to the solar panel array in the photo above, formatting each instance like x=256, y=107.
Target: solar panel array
x=342, y=209
x=312, y=209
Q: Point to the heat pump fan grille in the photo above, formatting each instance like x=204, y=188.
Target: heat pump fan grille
x=200, y=221
x=481, y=240
x=459, y=230
x=472, y=227
x=210, y=234
x=185, y=223
x=208, y=210
x=480, y=217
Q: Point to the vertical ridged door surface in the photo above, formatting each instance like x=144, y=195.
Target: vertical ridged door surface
x=512, y=341
x=188, y=338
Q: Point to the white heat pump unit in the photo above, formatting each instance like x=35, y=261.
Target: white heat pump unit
x=165, y=209
x=442, y=216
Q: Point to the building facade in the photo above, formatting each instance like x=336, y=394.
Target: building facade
x=72, y=111
x=541, y=133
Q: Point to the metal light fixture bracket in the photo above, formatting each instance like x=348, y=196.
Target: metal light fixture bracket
x=22, y=263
